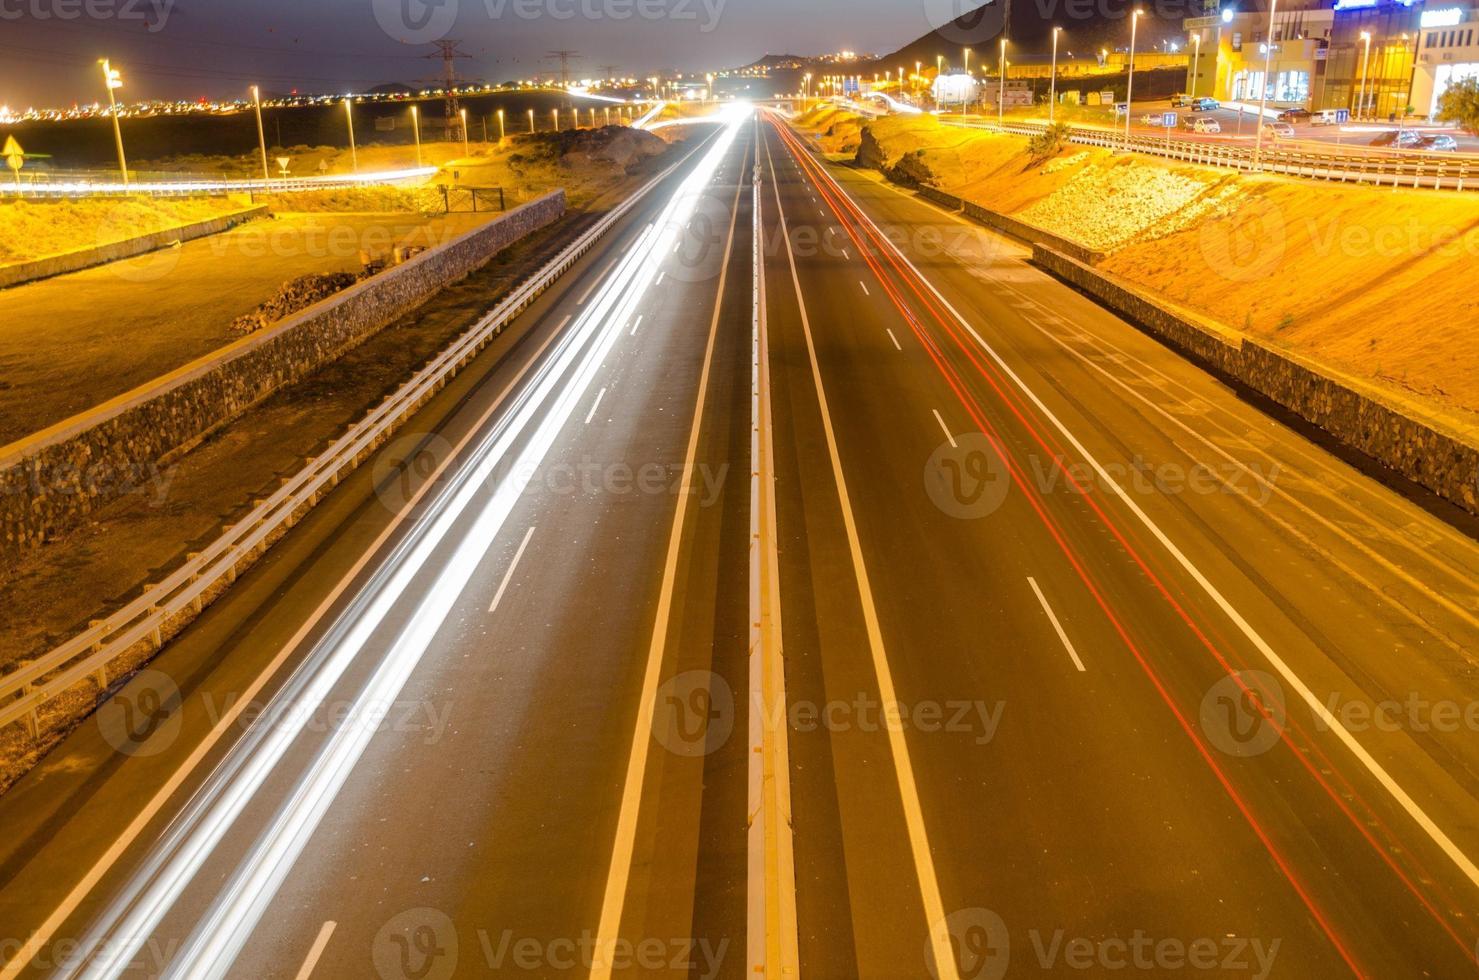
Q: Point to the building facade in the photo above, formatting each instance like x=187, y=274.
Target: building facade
x=1447, y=52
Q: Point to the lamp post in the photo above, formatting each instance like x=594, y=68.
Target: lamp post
x=1053, y=78
x=113, y=80
x=965, y=89
x=555, y=115
x=349, y=117
x=261, y=137
x=1001, y=83
x=416, y=128
x=1365, y=62
x=531, y=122
x=501, y=134
x=1130, y=79
x=1196, y=62
x=463, y=115
x=1268, y=54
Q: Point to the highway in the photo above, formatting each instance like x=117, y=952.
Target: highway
x=1080, y=651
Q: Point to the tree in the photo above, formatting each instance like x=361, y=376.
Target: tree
x=1048, y=142
x=1460, y=104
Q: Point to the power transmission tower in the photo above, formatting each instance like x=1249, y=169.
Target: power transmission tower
x=565, y=59
x=448, y=54
x=608, y=72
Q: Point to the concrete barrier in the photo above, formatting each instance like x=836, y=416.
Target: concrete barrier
x=1430, y=451
x=86, y=258
x=1030, y=233
x=948, y=201
x=51, y=481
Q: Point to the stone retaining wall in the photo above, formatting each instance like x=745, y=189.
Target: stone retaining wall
x=86, y=258
x=1423, y=449
x=51, y=481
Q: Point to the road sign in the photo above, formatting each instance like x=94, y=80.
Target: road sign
x=15, y=157
x=1168, y=119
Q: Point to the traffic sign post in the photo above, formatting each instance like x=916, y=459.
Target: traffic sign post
x=15, y=157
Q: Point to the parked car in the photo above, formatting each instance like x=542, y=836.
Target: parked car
x=1329, y=117
x=1440, y=142
x=1204, y=125
x=1278, y=130
x=1295, y=115
x=1398, y=139
x=1203, y=104
x=1181, y=99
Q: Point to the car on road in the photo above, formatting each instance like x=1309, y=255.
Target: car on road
x=1295, y=115
x=1329, y=117
x=1203, y=104
x=1204, y=125
x=1440, y=142
x=1181, y=99
x=1398, y=139
x=1278, y=130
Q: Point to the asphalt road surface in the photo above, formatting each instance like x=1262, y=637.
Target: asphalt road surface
x=1091, y=665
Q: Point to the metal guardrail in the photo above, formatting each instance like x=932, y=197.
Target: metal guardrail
x=176, y=185
x=166, y=606
x=1364, y=165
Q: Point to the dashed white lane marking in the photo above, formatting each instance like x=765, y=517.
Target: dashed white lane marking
x=865, y=287
x=316, y=951
x=940, y=420
x=594, y=283
x=635, y=324
x=509, y=575
x=1053, y=618
x=893, y=338
x=660, y=277
x=595, y=405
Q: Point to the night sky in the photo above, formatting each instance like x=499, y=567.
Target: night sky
x=193, y=48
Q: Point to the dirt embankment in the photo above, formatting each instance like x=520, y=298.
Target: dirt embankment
x=30, y=230
x=1376, y=283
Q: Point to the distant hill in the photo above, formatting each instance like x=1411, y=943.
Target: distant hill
x=1028, y=25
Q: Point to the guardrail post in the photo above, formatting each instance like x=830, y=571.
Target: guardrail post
x=101, y=674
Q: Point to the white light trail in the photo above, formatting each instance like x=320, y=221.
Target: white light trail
x=535, y=419
x=82, y=188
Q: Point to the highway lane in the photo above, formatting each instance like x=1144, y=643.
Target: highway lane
x=1102, y=802
x=490, y=791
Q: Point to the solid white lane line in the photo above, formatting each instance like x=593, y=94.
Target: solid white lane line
x=608, y=931
x=563, y=322
x=945, y=427
x=316, y=951
x=635, y=324
x=1326, y=717
x=1053, y=618
x=865, y=287
x=893, y=338
x=595, y=405
x=919, y=846
x=660, y=277
x=508, y=575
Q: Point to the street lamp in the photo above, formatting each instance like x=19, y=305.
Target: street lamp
x=1268, y=54
x=261, y=138
x=555, y=115
x=939, y=73
x=113, y=81
x=501, y=135
x=462, y=113
x=1196, y=62
x=1130, y=80
x=531, y=122
x=1001, y=83
x=416, y=129
x=353, y=152
x=964, y=89
x=1365, y=61
x=1053, y=77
